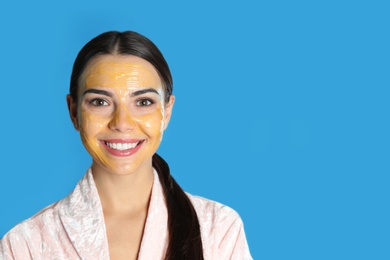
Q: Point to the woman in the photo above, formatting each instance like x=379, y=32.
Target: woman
x=127, y=206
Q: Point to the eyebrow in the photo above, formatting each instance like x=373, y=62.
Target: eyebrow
x=97, y=91
x=106, y=93
x=143, y=91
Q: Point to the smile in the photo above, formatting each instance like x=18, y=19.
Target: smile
x=121, y=146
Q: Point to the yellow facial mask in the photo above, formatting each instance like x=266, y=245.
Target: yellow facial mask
x=121, y=112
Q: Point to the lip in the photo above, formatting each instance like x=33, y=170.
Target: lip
x=123, y=153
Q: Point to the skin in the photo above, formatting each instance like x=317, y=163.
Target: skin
x=111, y=106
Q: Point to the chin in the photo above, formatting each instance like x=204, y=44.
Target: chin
x=122, y=168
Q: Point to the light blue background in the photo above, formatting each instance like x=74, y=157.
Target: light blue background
x=282, y=113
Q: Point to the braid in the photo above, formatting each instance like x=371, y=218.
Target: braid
x=185, y=241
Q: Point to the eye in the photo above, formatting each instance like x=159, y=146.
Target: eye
x=144, y=102
x=98, y=102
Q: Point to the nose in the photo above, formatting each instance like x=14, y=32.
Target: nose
x=122, y=121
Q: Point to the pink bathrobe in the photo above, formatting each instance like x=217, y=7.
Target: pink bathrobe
x=74, y=228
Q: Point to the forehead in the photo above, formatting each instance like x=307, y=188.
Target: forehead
x=119, y=70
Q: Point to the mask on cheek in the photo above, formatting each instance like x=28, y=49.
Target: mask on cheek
x=89, y=126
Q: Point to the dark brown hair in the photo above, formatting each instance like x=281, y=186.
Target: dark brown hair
x=183, y=225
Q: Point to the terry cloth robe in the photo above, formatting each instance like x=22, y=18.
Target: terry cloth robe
x=74, y=228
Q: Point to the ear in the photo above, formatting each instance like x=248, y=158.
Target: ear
x=168, y=111
x=72, y=108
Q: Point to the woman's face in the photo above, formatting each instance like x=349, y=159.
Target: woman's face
x=120, y=112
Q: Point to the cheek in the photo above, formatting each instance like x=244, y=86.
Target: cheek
x=151, y=124
x=91, y=124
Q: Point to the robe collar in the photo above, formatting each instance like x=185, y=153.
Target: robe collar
x=81, y=215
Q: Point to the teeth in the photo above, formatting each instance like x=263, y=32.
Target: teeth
x=121, y=146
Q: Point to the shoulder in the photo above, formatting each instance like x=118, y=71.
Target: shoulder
x=209, y=210
x=37, y=222
x=222, y=230
x=215, y=218
x=21, y=240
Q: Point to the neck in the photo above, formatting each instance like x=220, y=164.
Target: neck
x=124, y=194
